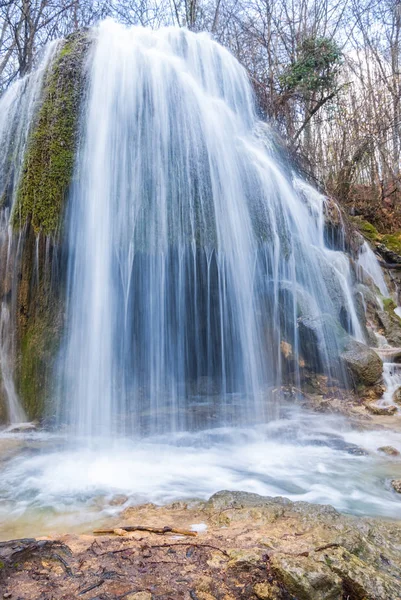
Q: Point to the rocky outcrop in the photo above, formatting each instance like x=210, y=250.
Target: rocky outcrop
x=251, y=547
x=38, y=292
x=391, y=325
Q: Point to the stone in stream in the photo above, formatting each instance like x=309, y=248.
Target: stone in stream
x=396, y=483
x=389, y=450
x=374, y=409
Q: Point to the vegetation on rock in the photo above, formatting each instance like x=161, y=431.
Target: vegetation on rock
x=39, y=323
x=38, y=211
x=392, y=242
x=368, y=230
x=49, y=161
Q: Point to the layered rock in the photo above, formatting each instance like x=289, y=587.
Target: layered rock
x=251, y=547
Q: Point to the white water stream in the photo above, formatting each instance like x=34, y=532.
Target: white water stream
x=50, y=486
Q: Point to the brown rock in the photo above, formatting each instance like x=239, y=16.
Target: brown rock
x=381, y=410
x=389, y=450
x=396, y=483
x=266, y=591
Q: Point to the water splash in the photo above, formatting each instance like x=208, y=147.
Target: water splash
x=193, y=254
x=48, y=487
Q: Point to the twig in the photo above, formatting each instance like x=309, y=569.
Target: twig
x=326, y=547
x=114, y=551
x=158, y=530
x=92, y=587
x=63, y=562
x=192, y=545
x=167, y=546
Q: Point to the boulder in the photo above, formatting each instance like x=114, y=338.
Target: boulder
x=363, y=364
x=306, y=578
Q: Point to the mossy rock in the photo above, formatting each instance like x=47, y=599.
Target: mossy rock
x=50, y=155
x=392, y=242
x=40, y=309
x=368, y=230
x=39, y=346
x=389, y=305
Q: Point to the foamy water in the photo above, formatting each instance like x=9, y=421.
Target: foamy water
x=50, y=486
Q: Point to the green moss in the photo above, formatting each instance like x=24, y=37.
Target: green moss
x=43, y=186
x=389, y=304
x=368, y=230
x=40, y=308
x=38, y=348
x=393, y=242
x=49, y=159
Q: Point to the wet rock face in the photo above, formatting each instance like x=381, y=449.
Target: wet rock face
x=253, y=548
x=397, y=396
x=340, y=234
x=391, y=325
x=363, y=364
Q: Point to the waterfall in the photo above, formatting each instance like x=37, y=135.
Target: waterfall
x=195, y=256
x=369, y=263
x=18, y=109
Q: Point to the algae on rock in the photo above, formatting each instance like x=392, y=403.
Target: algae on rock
x=50, y=154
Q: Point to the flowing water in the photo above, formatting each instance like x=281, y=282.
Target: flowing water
x=199, y=281
x=50, y=486
x=367, y=260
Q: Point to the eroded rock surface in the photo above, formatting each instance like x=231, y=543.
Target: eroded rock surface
x=253, y=548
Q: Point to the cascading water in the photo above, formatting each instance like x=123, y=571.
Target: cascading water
x=369, y=263
x=193, y=253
